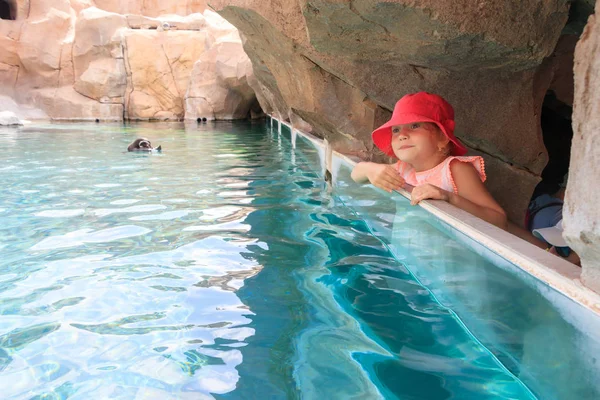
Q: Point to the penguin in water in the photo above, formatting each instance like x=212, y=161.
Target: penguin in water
x=142, y=144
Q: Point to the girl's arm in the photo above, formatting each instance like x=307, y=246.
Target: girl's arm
x=472, y=196
x=384, y=176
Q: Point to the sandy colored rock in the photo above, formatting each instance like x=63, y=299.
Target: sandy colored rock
x=159, y=65
x=9, y=54
x=581, y=212
x=80, y=5
x=220, y=29
x=153, y=8
x=66, y=103
x=22, y=111
x=66, y=74
x=141, y=22
x=64, y=47
x=8, y=78
x=121, y=6
x=96, y=37
x=104, y=78
x=11, y=29
x=266, y=97
x=40, y=48
x=99, y=68
x=192, y=22
x=39, y=9
x=220, y=85
x=164, y=116
x=41, y=41
x=219, y=88
x=143, y=106
x=71, y=44
x=23, y=7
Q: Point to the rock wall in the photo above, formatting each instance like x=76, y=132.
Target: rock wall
x=153, y=8
x=582, y=213
x=340, y=66
x=73, y=60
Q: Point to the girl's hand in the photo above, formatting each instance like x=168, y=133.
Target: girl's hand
x=428, y=191
x=385, y=177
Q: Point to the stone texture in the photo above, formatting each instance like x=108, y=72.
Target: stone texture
x=41, y=40
x=509, y=185
x=11, y=29
x=103, y=80
x=66, y=104
x=39, y=9
x=99, y=68
x=8, y=78
x=23, y=7
x=556, y=71
x=563, y=71
x=80, y=5
x=135, y=21
x=581, y=213
x=192, y=22
x=9, y=54
x=456, y=35
x=22, y=111
x=153, y=8
x=66, y=74
x=219, y=88
x=63, y=45
x=159, y=65
x=40, y=46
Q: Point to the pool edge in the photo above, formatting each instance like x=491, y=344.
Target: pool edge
x=557, y=273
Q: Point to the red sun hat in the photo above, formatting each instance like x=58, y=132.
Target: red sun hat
x=419, y=107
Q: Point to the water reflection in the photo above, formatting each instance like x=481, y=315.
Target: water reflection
x=130, y=310
x=220, y=268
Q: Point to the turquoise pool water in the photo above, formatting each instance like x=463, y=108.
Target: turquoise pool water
x=226, y=268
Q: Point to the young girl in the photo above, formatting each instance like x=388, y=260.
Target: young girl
x=420, y=134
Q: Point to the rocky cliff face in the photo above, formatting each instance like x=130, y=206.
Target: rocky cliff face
x=74, y=60
x=582, y=213
x=340, y=66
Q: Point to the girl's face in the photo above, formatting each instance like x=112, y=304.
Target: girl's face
x=418, y=142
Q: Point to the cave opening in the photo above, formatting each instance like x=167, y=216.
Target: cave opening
x=557, y=106
x=8, y=10
x=557, y=133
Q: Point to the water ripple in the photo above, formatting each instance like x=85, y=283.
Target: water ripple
x=102, y=212
x=60, y=213
x=240, y=276
x=83, y=236
x=117, y=327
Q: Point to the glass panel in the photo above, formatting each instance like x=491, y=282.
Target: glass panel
x=545, y=339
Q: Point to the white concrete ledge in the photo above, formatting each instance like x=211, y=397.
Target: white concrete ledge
x=557, y=273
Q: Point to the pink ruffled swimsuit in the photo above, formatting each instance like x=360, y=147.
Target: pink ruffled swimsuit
x=440, y=175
